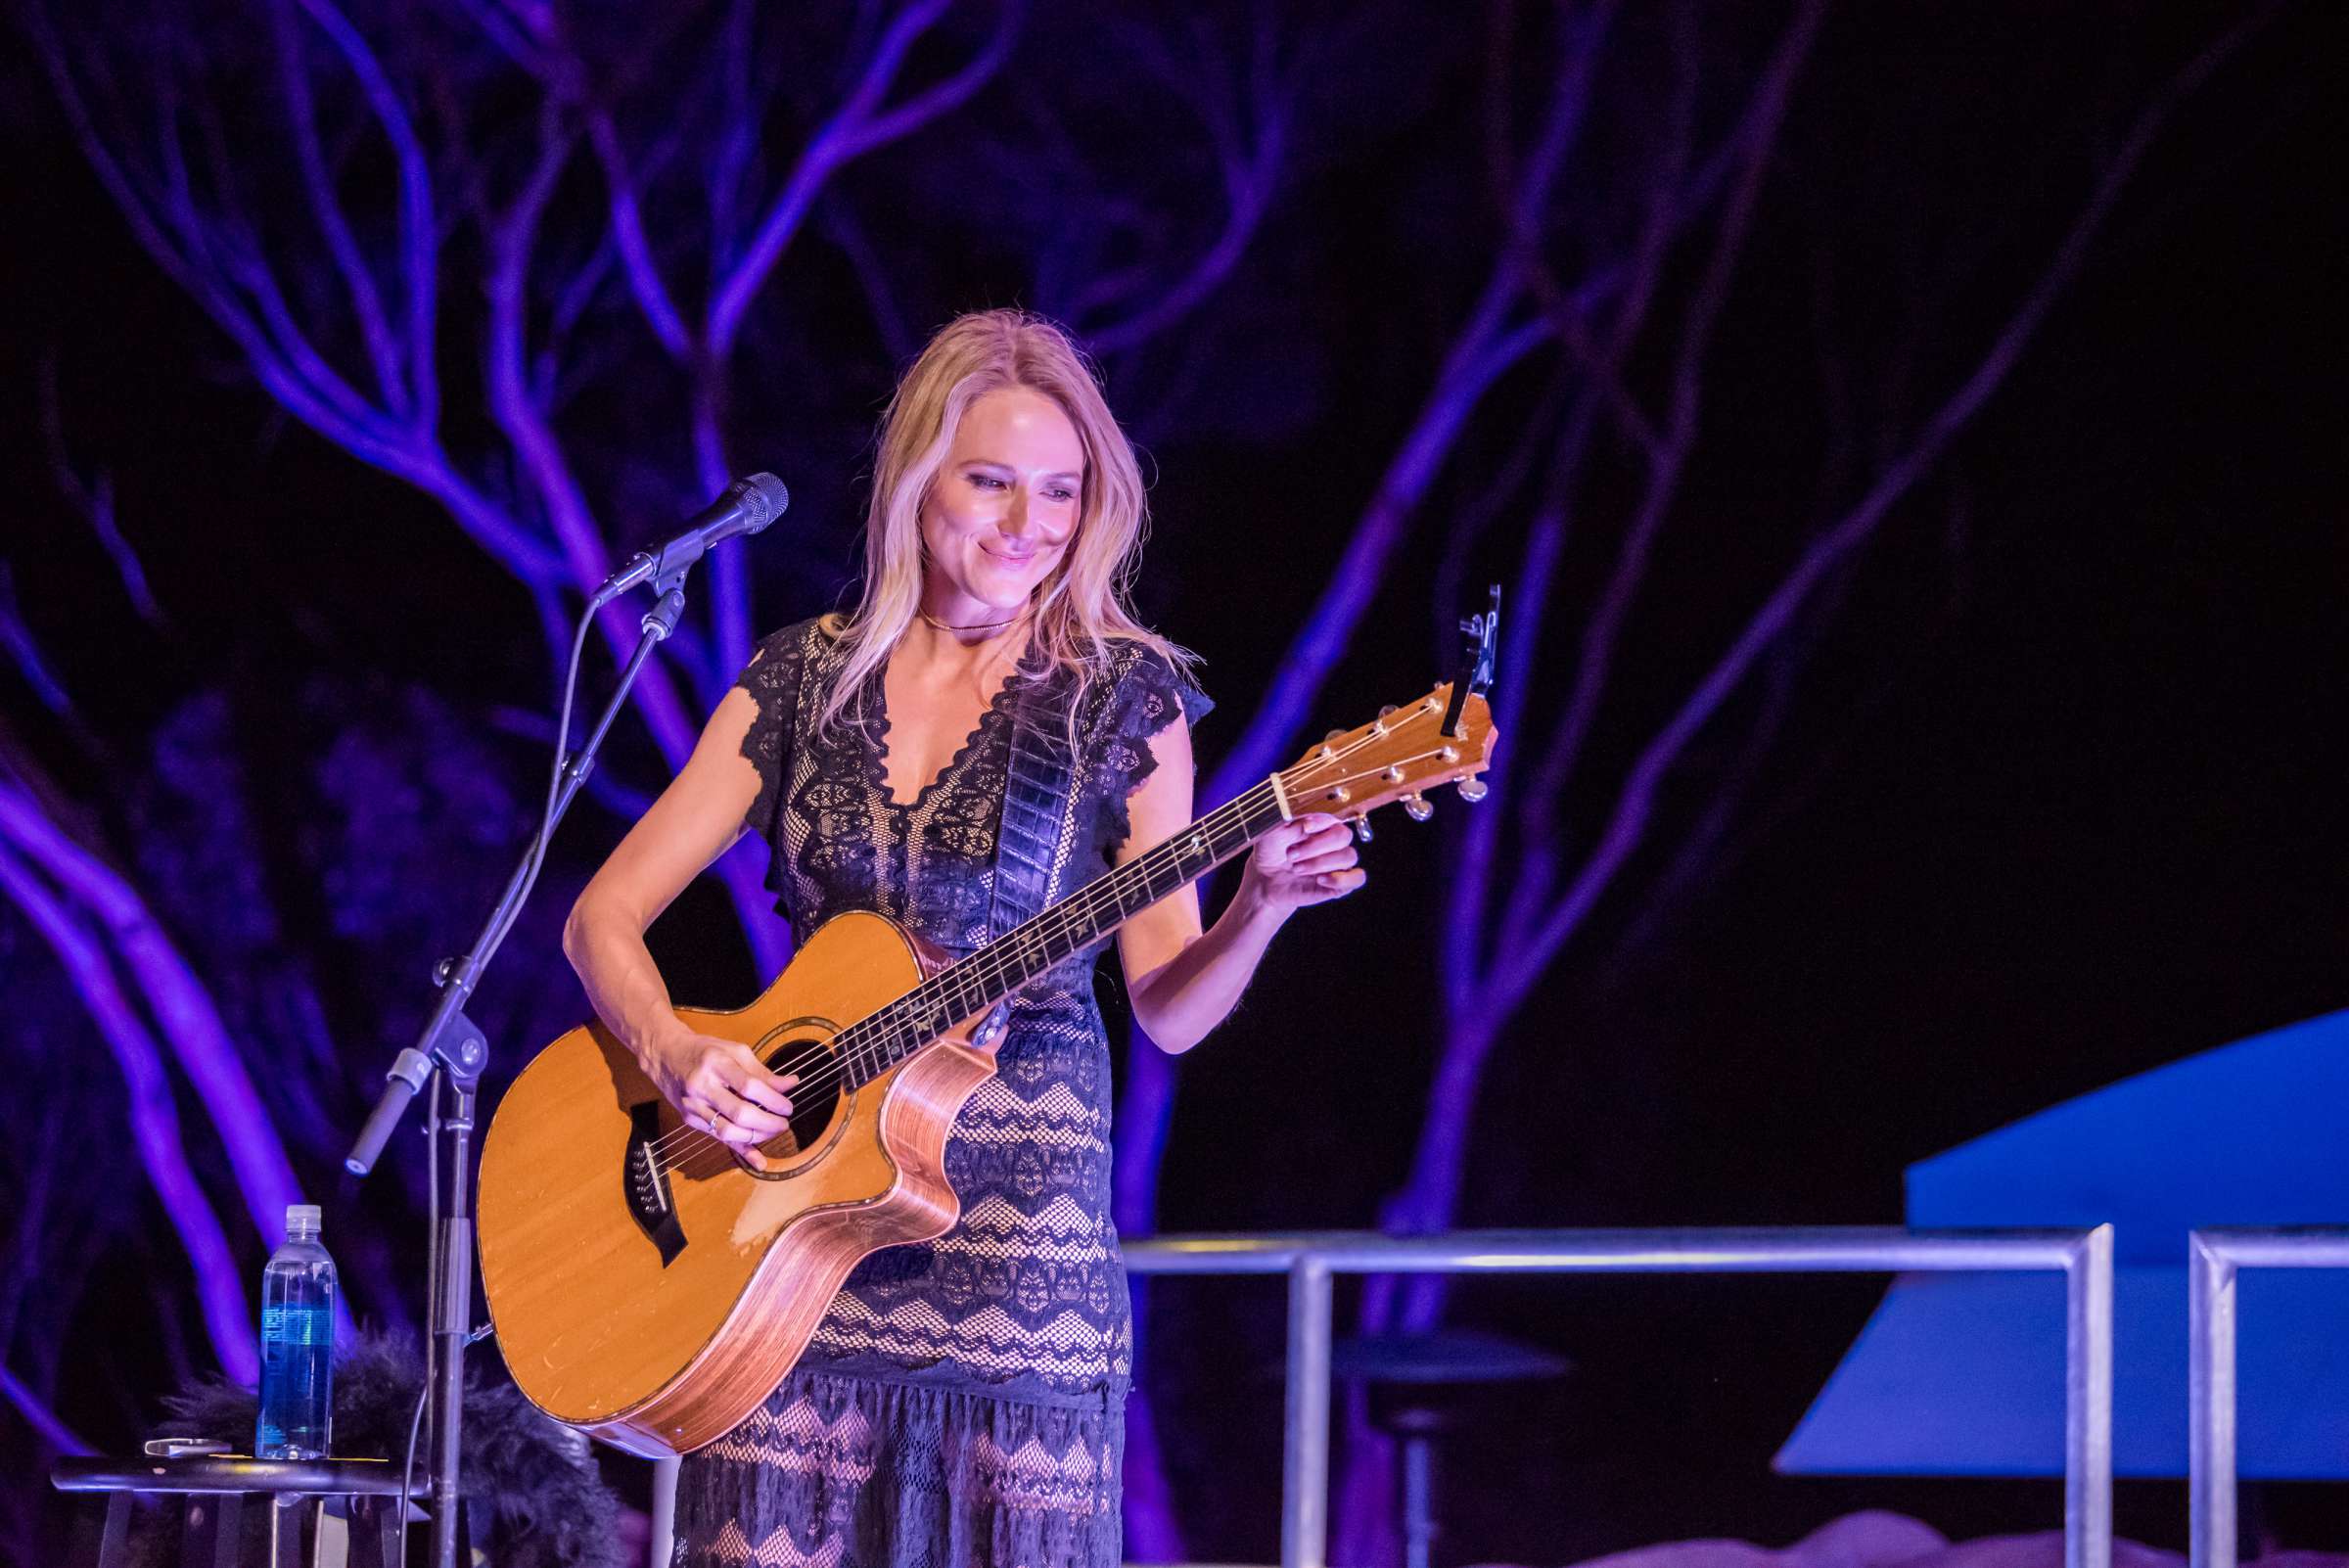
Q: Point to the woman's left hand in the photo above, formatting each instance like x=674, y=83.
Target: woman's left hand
x=1307, y=859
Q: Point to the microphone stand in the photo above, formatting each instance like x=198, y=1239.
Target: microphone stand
x=454, y=1046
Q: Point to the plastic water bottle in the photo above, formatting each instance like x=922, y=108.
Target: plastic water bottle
x=298, y=1344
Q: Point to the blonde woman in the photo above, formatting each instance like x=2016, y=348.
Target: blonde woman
x=962, y=1402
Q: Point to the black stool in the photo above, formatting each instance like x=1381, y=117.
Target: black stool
x=365, y=1492
x=1416, y=1405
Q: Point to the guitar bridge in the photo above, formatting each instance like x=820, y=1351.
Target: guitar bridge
x=645, y=1184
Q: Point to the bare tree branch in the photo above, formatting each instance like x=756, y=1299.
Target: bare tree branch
x=637, y=263
x=1627, y=826
x=24, y=650
x=1251, y=145
x=44, y=1421
x=1668, y=449
x=845, y=231
x=94, y=500
x=858, y=127
x=326, y=206
x=419, y=236
x=152, y=1120
x=180, y=1005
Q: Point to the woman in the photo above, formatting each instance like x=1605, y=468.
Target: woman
x=961, y=1404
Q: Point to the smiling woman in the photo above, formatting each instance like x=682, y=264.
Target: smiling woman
x=1001, y=519
x=962, y=1399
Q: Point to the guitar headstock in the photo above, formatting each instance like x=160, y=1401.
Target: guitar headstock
x=1398, y=755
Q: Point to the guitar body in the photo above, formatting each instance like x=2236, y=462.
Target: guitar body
x=655, y=1303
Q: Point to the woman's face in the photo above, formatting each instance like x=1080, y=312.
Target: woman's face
x=1003, y=507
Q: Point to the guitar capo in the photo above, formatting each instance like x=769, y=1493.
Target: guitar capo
x=1479, y=637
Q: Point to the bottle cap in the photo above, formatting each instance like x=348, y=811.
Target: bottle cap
x=302, y=1218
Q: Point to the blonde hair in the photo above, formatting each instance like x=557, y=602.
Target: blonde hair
x=1079, y=611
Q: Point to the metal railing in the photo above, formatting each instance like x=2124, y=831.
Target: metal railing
x=2083, y=1257
x=2213, y=1259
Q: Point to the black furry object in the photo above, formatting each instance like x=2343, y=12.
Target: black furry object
x=531, y=1485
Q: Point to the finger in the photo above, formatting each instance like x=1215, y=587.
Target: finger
x=1297, y=829
x=758, y=1083
x=1301, y=836
x=1335, y=860
x=750, y=1122
x=745, y=1152
x=717, y=1127
x=1337, y=883
x=748, y=1150
x=1331, y=832
x=763, y=1090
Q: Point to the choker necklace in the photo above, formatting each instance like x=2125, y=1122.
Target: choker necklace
x=982, y=626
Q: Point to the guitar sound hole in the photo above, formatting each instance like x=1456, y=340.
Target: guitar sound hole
x=815, y=1099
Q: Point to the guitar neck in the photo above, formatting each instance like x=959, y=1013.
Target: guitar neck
x=973, y=985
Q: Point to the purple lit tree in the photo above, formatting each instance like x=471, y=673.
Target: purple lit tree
x=320, y=238
x=562, y=272
x=530, y=263
x=1528, y=872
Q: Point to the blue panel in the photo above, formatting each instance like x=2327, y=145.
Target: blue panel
x=1961, y=1374
x=2246, y=1134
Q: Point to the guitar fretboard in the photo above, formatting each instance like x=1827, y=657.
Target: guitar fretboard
x=873, y=1045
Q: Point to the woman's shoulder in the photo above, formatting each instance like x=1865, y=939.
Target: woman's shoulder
x=795, y=640
x=1125, y=653
x=780, y=665
x=1152, y=676
x=789, y=652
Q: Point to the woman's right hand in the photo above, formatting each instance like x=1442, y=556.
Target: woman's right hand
x=720, y=1088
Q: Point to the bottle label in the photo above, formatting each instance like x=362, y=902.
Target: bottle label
x=295, y=1326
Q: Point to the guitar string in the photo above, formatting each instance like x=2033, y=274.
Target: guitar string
x=1029, y=945
x=1035, y=950
x=997, y=960
x=843, y=1055
x=844, y=1052
x=992, y=963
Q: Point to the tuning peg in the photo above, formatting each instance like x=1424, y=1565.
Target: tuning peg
x=1362, y=830
x=1415, y=808
x=1335, y=734
x=1388, y=708
x=1473, y=789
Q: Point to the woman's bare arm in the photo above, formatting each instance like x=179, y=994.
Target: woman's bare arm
x=719, y=1086
x=1184, y=981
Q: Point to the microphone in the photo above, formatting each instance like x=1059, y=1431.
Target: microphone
x=747, y=506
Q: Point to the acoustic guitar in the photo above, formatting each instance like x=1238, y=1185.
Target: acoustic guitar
x=650, y=1289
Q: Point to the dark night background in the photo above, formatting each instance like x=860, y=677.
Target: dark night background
x=2054, y=798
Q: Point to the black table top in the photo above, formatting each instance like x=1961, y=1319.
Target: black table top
x=232, y=1472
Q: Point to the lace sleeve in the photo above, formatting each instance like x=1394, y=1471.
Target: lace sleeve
x=1148, y=694
x=772, y=678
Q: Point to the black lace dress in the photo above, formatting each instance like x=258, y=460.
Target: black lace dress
x=961, y=1404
